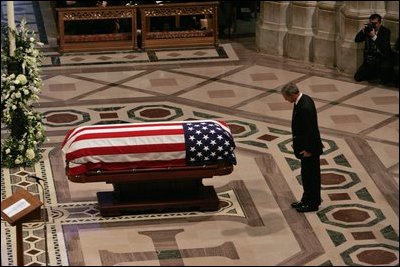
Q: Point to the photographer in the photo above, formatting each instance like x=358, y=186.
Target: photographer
x=378, y=59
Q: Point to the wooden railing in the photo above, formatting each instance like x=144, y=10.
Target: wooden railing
x=193, y=24
x=203, y=31
x=89, y=41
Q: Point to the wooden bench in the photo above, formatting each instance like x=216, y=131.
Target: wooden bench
x=152, y=166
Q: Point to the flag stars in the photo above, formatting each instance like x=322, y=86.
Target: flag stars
x=207, y=142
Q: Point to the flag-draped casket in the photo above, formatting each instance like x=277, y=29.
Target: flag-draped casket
x=148, y=145
x=156, y=165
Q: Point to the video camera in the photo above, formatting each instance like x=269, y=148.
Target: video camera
x=369, y=27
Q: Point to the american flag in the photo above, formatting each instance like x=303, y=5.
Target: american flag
x=148, y=145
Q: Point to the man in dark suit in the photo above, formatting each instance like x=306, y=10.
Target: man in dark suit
x=378, y=56
x=307, y=146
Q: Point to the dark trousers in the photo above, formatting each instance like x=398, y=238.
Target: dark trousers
x=311, y=180
x=382, y=70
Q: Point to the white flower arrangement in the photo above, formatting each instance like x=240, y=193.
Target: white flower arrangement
x=20, y=88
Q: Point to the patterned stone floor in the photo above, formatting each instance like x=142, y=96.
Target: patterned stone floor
x=357, y=223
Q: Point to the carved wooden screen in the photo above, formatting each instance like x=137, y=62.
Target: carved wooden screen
x=97, y=28
x=183, y=24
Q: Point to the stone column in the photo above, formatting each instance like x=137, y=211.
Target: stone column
x=327, y=31
x=352, y=16
x=300, y=34
x=391, y=20
x=271, y=28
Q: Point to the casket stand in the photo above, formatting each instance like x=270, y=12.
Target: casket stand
x=156, y=189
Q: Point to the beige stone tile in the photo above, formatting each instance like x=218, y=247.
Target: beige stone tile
x=378, y=99
x=388, y=132
x=327, y=89
x=157, y=82
x=348, y=119
x=387, y=154
x=73, y=58
x=114, y=239
x=187, y=54
x=64, y=88
x=221, y=94
x=115, y=92
x=265, y=77
x=109, y=76
x=208, y=71
x=273, y=105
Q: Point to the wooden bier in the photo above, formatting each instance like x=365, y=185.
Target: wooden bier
x=96, y=42
x=156, y=189
x=182, y=35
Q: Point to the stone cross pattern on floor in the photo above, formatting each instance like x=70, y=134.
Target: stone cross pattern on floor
x=167, y=251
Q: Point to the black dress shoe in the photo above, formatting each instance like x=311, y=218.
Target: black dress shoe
x=307, y=208
x=296, y=204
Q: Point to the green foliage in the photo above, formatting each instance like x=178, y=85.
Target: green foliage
x=20, y=88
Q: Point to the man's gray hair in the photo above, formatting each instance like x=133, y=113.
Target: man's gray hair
x=290, y=89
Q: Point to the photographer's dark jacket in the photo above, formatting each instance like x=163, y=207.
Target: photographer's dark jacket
x=378, y=50
x=305, y=130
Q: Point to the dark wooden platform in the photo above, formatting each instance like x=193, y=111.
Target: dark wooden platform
x=156, y=189
x=205, y=199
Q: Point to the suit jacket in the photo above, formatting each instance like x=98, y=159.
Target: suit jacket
x=382, y=41
x=305, y=129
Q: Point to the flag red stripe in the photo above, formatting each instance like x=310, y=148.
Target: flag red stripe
x=113, y=126
x=128, y=134
x=114, y=150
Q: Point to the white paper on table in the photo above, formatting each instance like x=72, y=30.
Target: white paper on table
x=18, y=206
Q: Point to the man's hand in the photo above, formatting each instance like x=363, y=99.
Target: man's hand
x=305, y=154
x=101, y=3
x=372, y=33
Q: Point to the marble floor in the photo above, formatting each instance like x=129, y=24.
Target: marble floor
x=357, y=223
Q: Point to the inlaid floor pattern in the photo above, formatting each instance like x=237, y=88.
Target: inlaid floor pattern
x=357, y=223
